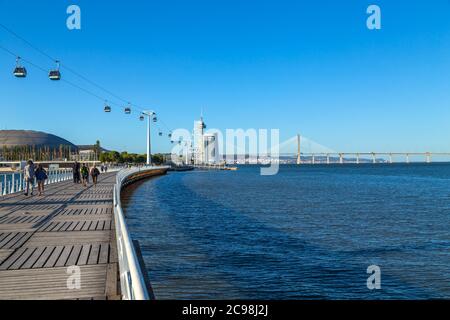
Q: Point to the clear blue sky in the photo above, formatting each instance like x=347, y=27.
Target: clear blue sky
x=302, y=66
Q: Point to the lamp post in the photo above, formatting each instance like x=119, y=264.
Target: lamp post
x=149, y=115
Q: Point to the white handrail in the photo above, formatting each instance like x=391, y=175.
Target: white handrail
x=11, y=183
x=131, y=276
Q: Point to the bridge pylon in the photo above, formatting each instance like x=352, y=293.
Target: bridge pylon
x=299, y=155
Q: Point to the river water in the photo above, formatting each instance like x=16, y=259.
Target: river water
x=309, y=232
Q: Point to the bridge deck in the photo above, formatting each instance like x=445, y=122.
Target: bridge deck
x=40, y=237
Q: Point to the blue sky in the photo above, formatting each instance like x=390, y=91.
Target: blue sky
x=301, y=66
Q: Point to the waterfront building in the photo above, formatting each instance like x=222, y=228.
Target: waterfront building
x=211, y=148
x=206, y=145
x=199, y=149
x=89, y=152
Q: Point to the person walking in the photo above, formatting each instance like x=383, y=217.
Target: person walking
x=94, y=174
x=41, y=176
x=84, y=174
x=29, y=174
x=76, y=172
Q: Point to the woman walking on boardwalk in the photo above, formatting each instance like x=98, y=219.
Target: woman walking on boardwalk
x=84, y=174
x=29, y=174
x=94, y=174
x=41, y=176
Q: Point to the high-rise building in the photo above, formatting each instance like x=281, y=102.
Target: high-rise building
x=199, y=148
x=211, y=148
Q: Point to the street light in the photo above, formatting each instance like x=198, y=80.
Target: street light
x=150, y=115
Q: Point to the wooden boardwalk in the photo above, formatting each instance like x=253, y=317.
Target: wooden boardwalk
x=41, y=237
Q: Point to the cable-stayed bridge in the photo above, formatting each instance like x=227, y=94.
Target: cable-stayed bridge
x=308, y=151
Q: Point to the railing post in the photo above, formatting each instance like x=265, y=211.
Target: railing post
x=13, y=183
x=20, y=182
x=4, y=184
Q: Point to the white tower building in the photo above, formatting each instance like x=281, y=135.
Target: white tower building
x=211, y=148
x=199, y=148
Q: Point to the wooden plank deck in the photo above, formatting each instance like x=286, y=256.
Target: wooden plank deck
x=41, y=237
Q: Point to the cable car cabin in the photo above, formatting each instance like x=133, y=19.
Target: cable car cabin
x=107, y=109
x=170, y=135
x=155, y=119
x=160, y=134
x=141, y=118
x=127, y=110
x=55, y=75
x=20, y=72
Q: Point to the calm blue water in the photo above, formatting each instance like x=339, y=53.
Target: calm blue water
x=307, y=233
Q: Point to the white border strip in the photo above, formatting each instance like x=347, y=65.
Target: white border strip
x=131, y=276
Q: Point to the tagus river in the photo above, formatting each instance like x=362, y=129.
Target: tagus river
x=309, y=232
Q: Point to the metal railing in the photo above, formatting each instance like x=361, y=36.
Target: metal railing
x=132, y=281
x=15, y=182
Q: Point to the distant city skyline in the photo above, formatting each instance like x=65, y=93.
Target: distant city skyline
x=308, y=68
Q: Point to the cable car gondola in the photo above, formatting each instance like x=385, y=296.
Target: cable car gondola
x=55, y=75
x=128, y=110
x=141, y=118
x=155, y=119
x=107, y=108
x=160, y=134
x=19, y=71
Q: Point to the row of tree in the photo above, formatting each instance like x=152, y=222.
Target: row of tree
x=64, y=152
x=38, y=153
x=125, y=157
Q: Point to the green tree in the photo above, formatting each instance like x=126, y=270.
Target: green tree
x=97, y=149
x=104, y=157
x=158, y=159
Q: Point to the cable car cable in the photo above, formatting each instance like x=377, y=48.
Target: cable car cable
x=62, y=65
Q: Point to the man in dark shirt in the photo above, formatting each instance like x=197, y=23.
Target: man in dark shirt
x=76, y=172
